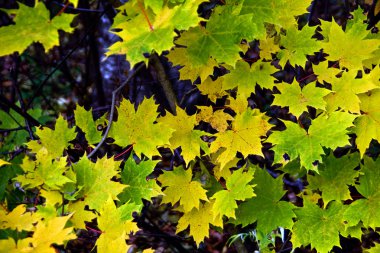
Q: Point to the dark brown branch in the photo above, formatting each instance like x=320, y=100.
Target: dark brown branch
x=4, y=101
x=163, y=79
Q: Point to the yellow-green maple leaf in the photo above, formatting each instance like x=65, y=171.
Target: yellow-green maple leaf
x=213, y=89
x=218, y=119
x=238, y=188
x=143, y=31
x=54, y=141
x=115, y=224
x=346, y=88
x=138, y=128
x=9, y=246
x=298, y=100
x=245, y=77
x=244, y=136
x=268, y=47
x=180, y=56
x=350, y=47
x=367, y=125
x=32, y=24
x=2, y=162
x=79, y=214
x=184, y=135
x=179, y=187
x=94, y=180
x=199, y=221
x=85, y=121
x=324, y=73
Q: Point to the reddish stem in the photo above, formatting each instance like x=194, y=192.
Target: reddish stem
x=94, y=230
x=124, y=152
x=146, y=16
x=63, y=8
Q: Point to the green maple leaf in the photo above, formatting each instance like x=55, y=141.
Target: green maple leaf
x=138, y=127
x=244, y=136
x=296, y=49
x=115, y=224
x=32, y=24
x=184, y=135
x=351, y=47
x=220, y=38
x=318, y=227
x=346, y=89
x=85, y=121
x=367, y=126
x=366, y=209
x=139, y=187
x=272, y=11
x=180, y=187
x=199, y=221
x=298, y=100
x=238, y=188
x=329, y=132
x=335, y=175
x=143, y=30
x=94, y=181
x=266, y=209
x=245, y=77
x=54, y=141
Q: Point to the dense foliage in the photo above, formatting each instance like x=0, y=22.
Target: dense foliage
x=282, y=149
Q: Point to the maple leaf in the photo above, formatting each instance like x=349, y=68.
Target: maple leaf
x=79, y=214
x=213, y=89
x=43, y=171
x=295, y=50
x=54, y=141
x=266, y=208
x=184, y=135
x=324, y=73
x=115, y=224
x=2, y=162
x=220, y=38
x=32, y=25
x=350, y=47
x=318, y=227
x=367, y=126
x=272, y=11
x=199, y=221
x=180, y=56
x=245, y=77
x=244, y=136
x=94, y=180
x=218, y=119
x=158, y=32
x=298, y=100
x=346, y=88
x=139, y=186
x=138, y=127
x=334, y=177
x=329, y=132
x=51, y=232
x=85, y=121
x=18, y=219
x=179, y=187
x=9, y=246
x=366, y=209
x=268, y=47
x=238, y=188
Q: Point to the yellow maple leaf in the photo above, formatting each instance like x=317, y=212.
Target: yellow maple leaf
x=18, y=219
x=179, y=187
x=184, y=135
x=218, y=119
x=199, y=221
x=213, y=89
x=2, y=162
x=51, y=232
x=245, y=136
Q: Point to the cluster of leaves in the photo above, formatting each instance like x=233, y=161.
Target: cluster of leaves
x=338, y=108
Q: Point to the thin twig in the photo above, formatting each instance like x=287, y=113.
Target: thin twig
x=77, y=9
x=12, y=129
x=4, y=101
x=114, y=93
